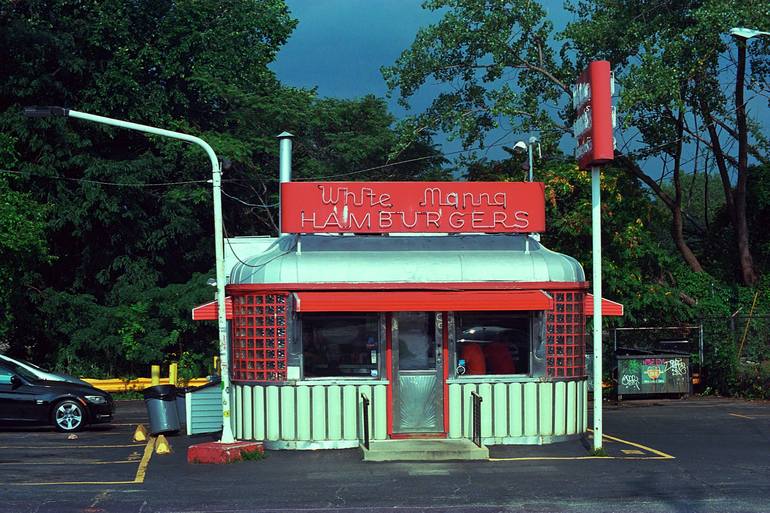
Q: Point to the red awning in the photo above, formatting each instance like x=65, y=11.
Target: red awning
x=422, y=301
x=208, y=311
x=609, y=308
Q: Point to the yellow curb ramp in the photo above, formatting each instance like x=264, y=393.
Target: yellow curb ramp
x=135, y=385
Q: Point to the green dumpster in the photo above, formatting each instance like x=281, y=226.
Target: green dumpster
x=648, y=374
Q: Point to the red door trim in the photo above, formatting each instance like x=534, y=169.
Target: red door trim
x=389, y=370
x=445, y=349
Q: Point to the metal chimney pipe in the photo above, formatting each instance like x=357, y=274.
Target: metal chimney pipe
x=284, y=168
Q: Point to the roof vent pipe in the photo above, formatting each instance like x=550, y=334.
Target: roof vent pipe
x=284, y=165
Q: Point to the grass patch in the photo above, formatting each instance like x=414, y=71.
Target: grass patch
x=131, y=395
x=599, y=452
x=252, y=455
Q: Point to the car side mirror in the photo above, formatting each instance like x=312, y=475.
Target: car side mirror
x=16, y=381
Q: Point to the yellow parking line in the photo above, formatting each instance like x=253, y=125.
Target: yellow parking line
x=138, y=479
x=541, y=458
x=52, y=483
x=69, y=446
x=659, y=455
x=148, y=450
x=80, y=462
x=663, y=455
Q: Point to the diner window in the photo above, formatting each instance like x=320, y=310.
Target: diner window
x=341, y=345
x=493, y=343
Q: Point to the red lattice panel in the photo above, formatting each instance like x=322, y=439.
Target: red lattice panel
x=565, y=336
x=259, y=337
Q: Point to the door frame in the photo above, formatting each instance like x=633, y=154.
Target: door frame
x=441, y=323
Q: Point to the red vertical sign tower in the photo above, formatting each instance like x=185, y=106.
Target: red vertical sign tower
x=594, y=120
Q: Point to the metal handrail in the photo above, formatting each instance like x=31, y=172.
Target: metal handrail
x=365, y=416
x=476, y=420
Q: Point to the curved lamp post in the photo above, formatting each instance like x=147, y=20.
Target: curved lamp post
x=216, y=180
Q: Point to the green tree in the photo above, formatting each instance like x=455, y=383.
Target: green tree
x=677, y=93
x=22, y=242
x=501, y=69
x=182, y=65
x=129, y=217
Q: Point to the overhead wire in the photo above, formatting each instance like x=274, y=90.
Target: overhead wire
x=101, y=182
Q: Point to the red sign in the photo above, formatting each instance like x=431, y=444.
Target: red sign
x=594, y=121
x=418, y=207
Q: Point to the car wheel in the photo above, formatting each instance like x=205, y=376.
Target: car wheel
x=68, y=416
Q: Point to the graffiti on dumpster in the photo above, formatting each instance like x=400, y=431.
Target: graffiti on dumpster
x=637, y=374
x=630, y=381
x=654, y=370
x=677, y=367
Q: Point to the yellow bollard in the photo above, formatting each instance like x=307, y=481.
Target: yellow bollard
x=155, y=375
x=162, y=446
x=172, y=370
x=140, y=435
x=216, y=365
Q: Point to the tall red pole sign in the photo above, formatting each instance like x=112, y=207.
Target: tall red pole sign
x=595, y=116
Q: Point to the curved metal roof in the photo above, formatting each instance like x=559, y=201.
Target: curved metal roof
x=405, y=259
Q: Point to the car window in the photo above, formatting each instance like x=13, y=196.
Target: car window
x=25, y=362
x=21, y=371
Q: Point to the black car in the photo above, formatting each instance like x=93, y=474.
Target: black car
x=27, y=400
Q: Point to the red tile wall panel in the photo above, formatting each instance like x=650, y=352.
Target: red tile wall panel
x=259, y=337
x=565, y=335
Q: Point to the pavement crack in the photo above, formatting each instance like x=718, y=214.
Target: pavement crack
x=338, y=497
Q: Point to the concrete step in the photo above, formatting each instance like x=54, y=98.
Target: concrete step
x=422, y=449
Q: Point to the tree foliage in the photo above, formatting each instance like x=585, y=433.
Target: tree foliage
x=126, y=217
x=502, y=66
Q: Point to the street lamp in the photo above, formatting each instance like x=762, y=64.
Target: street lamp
x=216, y=180
x=529, y=147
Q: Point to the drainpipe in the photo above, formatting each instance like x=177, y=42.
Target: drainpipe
x=284, y=169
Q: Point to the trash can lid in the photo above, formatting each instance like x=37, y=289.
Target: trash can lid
x=160, y=392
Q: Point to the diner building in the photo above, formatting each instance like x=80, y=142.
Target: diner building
x=396, y=304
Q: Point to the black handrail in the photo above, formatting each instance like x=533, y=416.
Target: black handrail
x=476, y=421
x=365, y=416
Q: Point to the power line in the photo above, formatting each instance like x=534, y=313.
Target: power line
x=407, y=161
x=100, y=182
x=239, y=200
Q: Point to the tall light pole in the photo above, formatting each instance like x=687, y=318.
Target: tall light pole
x=530, y=149
x=216, y=180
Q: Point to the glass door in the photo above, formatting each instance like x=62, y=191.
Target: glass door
x=418, y=388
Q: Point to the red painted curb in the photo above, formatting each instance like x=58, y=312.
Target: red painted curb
x=220, y=454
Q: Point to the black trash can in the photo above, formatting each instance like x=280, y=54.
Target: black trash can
x=181, y=407
x=160, y=401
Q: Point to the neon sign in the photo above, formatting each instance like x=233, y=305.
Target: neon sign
x=418, y=207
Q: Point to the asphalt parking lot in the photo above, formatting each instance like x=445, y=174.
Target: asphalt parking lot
x=668, y=455
x=101, y=455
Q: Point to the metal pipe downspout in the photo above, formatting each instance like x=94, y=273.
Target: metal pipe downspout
x=284, y=170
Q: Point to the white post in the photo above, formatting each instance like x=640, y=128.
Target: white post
x=531, y=148
x=596, y=251
x=219, y=247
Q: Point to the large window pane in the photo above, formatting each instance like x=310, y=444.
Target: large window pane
x=340, y=345
x=416, y=340
x=493, y=343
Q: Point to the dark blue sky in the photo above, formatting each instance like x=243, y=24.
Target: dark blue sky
x=340, y=45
